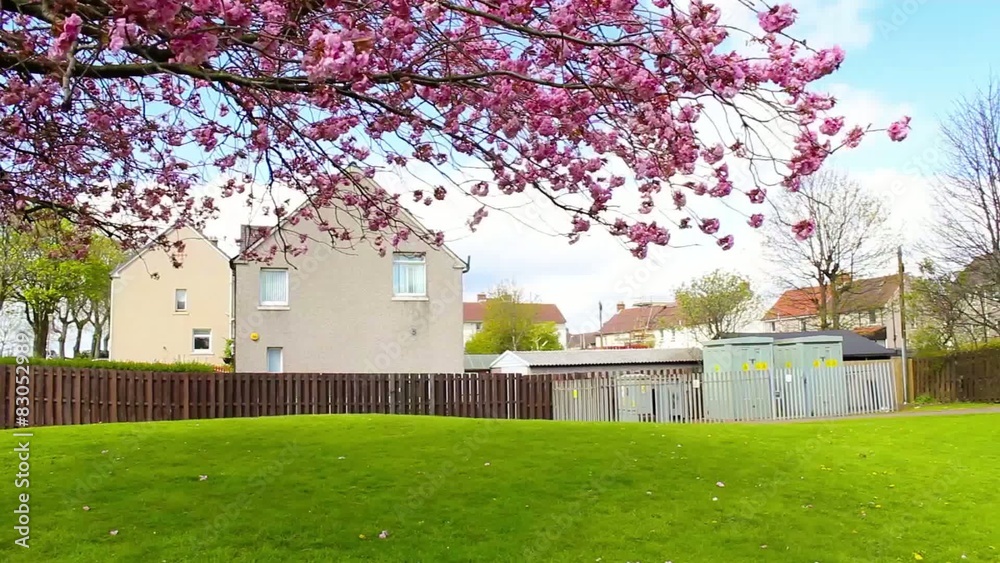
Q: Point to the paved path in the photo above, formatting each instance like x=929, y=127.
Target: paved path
x=905, y=413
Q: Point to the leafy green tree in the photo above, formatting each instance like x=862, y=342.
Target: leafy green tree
x=103, y=257
x=716, y=304
x=509, y=324
x=13, y=258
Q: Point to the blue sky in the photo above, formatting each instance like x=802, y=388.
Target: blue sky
x=923, y=53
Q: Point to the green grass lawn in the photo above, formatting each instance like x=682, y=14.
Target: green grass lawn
x=322, y=488
x=950, y=406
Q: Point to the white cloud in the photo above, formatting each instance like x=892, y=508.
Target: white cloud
x=821, y=23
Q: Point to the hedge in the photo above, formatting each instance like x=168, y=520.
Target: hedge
x=107, y=364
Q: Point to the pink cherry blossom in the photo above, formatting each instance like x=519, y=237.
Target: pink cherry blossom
x=756, y=220
x=900, y=129
x=777, y=18
x=726, y=242
x=804, y=229
x=854, y=136
x=710, y=226
x=831, y=125
x=117, y=113
x=70, y=31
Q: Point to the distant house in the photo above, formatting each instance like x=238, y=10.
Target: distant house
x=582, y=341
x=160, y=313
x=856, y=346
x=647, y=325
x=475, y=312
x=346, y=308
x=869, y=307
x=580, y=361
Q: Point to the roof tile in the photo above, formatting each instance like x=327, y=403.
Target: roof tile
x=862, y=295
x=646, y=317
x=544, y=312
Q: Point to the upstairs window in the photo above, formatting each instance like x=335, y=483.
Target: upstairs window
x=409, y=275
x=273, y=287
x=180, y=300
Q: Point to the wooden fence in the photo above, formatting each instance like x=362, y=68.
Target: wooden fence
x=56, y=396
x=968, y=376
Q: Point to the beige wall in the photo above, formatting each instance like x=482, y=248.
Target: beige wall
x=660, y=338
x=342, y=316
x=144, y=325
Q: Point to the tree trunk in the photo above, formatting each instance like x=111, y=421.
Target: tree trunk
x=824, y=313
x=62, y=340
x=79, y=340
x=834, y=308
x=95, y=342
x=40, y=328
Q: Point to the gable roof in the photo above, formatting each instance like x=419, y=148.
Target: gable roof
x=862, y=295
x=135, y=256
x=856, y=347
x=544, y=312
x=983, y=269
x=603, y=357
x=479, y=362
x=263, y=233
x=649, y=317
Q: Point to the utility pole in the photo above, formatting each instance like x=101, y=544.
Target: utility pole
x=600, y=323
x=902, y=318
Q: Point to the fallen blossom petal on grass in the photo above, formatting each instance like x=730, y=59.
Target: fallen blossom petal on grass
x=86, y=508
x=720, y=484
x=113, y=532
x=383, y=534
x=202, y=477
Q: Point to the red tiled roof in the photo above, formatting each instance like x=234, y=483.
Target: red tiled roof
x=647, y=317
x=861, y=295
x=544, y=312
x=873, y=332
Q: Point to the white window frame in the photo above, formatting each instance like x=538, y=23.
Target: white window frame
x=177, y=292
x=194, y=338
x=281, y=359
x=272, y=304
x=410, y=257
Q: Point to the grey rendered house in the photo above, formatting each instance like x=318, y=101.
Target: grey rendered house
x=347, y=309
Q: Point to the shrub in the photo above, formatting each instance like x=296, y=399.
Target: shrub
x=106, y=364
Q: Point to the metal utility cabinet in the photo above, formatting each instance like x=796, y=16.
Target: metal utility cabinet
x=812, y=378
x=749, y=353
x=736, y=381
x=807, y=352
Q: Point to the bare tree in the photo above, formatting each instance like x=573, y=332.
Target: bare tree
x=849, y=241
x=965, y=236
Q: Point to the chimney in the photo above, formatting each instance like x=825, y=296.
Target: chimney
x=481, y=297
x=244, y=240
x=621, y=306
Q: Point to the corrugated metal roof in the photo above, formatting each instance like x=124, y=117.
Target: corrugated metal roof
x=477, y=362
x=855, y=346
x=611, y=357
